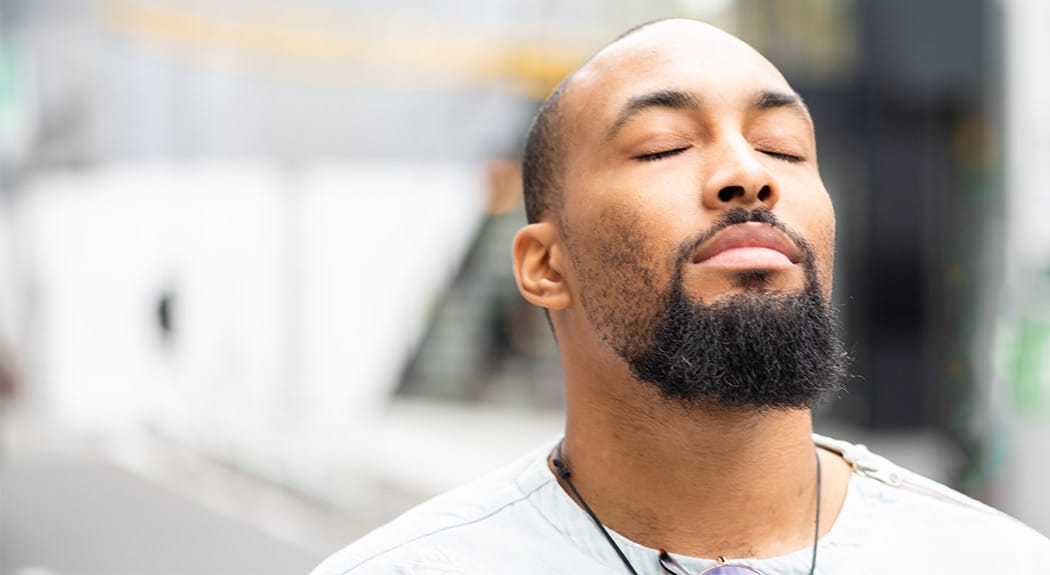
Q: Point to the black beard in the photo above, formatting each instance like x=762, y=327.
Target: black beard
x=758, y=349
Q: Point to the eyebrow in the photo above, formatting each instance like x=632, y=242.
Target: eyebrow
x=682, y=100
x=769, y=100
x=674, y=99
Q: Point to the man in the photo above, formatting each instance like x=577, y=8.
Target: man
x=681, y=241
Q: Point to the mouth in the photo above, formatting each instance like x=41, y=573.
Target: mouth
x=749, y=245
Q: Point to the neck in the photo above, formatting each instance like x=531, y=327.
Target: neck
x=701, y=482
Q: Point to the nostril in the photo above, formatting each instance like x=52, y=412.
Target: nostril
x=729, y=192
x=764, y=193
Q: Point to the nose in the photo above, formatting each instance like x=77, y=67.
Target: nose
x=739, y=178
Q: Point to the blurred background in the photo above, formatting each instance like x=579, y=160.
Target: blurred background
x=255, y=292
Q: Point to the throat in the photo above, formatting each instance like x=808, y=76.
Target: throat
x=733, y=496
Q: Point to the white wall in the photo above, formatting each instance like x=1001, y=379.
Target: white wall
x=298, y=297
x=1026, y=302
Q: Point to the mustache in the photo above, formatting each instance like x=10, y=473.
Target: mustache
x=740, y=215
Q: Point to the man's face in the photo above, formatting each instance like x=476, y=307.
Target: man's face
x=685, y=146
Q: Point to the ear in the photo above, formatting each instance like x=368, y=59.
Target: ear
x=538, y=261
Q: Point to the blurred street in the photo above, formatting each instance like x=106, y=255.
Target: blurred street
x=131, y=503
x=91, y=517
x=65, y=507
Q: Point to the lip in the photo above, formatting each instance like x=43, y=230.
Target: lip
x=749, y=244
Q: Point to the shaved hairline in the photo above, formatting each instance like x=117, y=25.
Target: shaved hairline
x=543, y=158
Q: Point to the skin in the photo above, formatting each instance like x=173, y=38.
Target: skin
x=702, y=481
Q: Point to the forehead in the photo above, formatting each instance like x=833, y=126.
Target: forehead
x=718, y=68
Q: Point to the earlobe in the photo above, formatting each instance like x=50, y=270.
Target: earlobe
x=538, y=260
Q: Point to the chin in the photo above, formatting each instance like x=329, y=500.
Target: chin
x=752, y=279
x=757, y=281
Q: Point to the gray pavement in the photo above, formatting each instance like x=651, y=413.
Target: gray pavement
x=69, y=504
x=89, y=517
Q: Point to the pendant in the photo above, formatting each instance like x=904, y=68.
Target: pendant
x=672, y=566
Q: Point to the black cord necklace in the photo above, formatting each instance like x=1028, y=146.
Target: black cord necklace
x=669, y=564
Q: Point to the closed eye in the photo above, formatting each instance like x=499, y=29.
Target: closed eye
x=785, y=157
x=661, y=155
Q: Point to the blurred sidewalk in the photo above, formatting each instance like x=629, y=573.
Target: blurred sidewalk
x=70, y=504
x=133, y=503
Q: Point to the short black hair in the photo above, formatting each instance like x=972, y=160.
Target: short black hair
x=542, y=160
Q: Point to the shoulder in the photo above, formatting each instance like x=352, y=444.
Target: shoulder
x=901, y=509
x=444, y=535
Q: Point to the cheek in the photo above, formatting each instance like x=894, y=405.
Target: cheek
x=822, y=234
x=806, y=207
x=615, y=264
x=613, y=245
